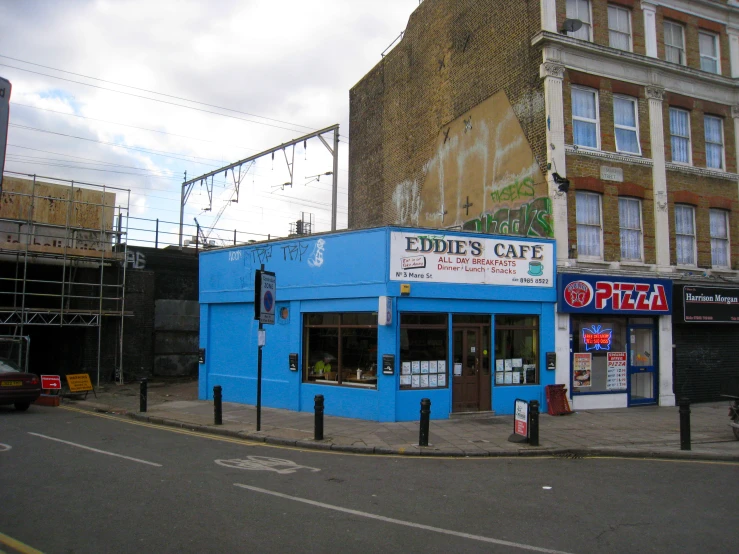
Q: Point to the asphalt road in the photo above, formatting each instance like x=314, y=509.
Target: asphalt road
x=76, y=482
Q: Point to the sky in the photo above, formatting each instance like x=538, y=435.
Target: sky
x=134, y=93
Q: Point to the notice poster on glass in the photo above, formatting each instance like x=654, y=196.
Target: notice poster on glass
x=416, y=367
x=582, y=370
x=441, y=366
x=457, y=370
x=433, y=380
x=405, y=369
x=424, y=381
x=433, y=365
x=405, y=380
x=415, y=381
x=508, y=378
x=529, y=373
x=516, y=378
x=425, y=366
x=499, y=365
x=499, y=378
x=616, y=376
x=442, y=380
x=508, y=365
x=516, y=362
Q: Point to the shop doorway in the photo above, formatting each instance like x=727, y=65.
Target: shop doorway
x=471, y=378
x=642, y=365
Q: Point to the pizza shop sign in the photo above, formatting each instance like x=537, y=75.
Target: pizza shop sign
x=613, y=295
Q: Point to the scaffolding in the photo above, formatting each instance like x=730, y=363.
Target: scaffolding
x=63, y=257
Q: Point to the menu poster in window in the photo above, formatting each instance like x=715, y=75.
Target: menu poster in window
x=442, y=379
x=516, y=362
x=457, y=370
x=508, y=365
x=424, y=381
x=425, y=366
x=433, y=380
x=581, y=372
x=499, y=378
x=405, y=368
x=499, y=365
x=529, y=371
x=433, y=365
x=405, y=380
x=416, y=367
x=616, y=379
x=415, y=381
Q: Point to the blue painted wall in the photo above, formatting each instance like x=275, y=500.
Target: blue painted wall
x=345, y=271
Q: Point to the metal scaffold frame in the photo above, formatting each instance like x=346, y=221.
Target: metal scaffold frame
x=33, y=244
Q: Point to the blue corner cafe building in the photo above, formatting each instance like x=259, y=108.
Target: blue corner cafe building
x=377, y=319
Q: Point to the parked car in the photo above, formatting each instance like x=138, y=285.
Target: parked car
x=16, y=386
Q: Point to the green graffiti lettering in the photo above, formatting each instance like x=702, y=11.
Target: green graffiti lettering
x=514, y=191
x=533, y=219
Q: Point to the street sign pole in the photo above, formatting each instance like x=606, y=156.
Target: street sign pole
x=265, y=289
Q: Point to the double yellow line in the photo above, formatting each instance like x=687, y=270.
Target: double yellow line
x=18, y=546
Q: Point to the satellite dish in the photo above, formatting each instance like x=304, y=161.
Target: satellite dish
x=571, y=25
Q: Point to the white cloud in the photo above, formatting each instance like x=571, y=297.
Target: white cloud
x=288, y=60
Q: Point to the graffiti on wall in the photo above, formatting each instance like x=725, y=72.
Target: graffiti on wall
x=481, y=177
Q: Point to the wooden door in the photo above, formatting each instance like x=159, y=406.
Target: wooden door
x=466, y=369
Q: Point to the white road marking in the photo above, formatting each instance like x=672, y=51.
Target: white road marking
x=257, y=463
x=4, y=447
x=96, y=450
x=405, y=523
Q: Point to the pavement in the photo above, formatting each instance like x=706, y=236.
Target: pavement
x=643, y=432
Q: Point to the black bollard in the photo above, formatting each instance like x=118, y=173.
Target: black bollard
x=318, y=423
x=218, y=405
x=423, y=433
x=534, y=423
x=684, y=424
x=143, y=392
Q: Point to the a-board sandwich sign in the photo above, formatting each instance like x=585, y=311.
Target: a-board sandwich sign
x=520, y=421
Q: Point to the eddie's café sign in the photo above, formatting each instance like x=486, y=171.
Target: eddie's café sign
x=461, y=259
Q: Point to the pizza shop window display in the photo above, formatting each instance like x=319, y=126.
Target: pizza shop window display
x=599, y=354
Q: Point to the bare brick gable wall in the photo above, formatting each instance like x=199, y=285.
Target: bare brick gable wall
x=454, y=55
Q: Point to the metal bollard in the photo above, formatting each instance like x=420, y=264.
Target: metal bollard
x=423, y=433
x=684, y=424
x=143, y=392
x=534, y=423
x=218, y=405
x=318, y=422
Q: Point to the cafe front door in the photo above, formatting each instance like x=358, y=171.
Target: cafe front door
x=471, y=378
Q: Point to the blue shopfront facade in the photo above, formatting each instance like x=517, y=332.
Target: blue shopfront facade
x=377, y=319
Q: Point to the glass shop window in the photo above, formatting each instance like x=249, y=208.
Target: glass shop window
x=424, y=340
x=340, y=349
x=598, y=354
x=516, y=350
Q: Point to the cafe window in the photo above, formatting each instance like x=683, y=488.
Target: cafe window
x=424, y=340
x=516, y=350
x=340, y=349
x=599, y=354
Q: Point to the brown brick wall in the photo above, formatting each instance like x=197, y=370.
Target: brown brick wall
x=600, y=21
x=454, y=54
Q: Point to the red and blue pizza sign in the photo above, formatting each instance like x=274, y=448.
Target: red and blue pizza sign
x=611, y=294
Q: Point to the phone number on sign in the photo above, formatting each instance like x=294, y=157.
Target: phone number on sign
x=532, y=280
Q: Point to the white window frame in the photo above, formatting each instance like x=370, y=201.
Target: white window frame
x=689, y=137
x=640, y=229
x=716, y=46
x=681, y=48
x=726, y=240
x=694, y=263
x=587, y=24
x=630, y=33
x=600, y=256
x=596, y=99
x=723, y=141
x=635, y=106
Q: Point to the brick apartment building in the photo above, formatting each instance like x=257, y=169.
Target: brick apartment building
x=609, y=125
